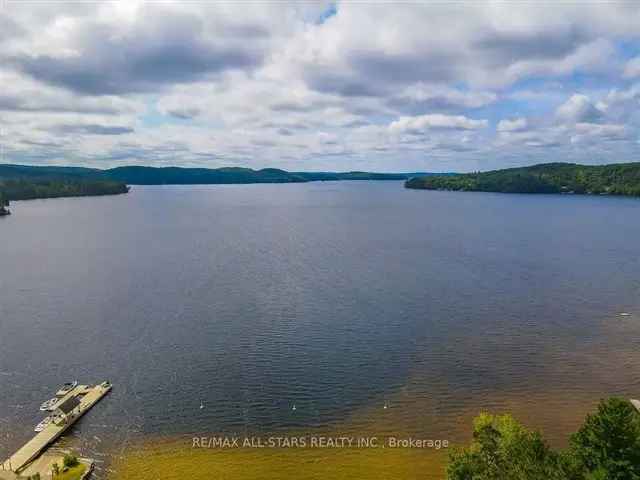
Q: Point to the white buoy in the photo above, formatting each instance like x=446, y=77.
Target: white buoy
x=294, y=407
x=201, y=405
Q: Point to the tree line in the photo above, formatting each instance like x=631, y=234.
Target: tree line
x=141, y=175
x=26, y=189
x=616, y=179
x=606, y=447
x=4, y=203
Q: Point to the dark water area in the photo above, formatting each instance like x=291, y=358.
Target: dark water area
x=221, y=308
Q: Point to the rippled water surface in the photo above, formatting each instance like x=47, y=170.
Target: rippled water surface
x=220, y=308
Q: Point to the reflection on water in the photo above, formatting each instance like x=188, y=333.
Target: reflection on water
x=217, y=309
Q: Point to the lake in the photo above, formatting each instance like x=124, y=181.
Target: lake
x=338, y=306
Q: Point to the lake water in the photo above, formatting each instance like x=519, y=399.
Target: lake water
x=270, y=308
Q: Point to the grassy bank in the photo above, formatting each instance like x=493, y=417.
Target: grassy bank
x=74, y=473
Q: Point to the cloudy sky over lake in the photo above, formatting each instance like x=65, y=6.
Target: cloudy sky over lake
x=409, y=86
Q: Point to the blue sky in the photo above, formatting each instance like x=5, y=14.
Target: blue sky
x=438, y=86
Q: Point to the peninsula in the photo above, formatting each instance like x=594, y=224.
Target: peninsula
x=613, y=179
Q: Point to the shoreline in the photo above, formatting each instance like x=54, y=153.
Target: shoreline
x=53, y=197
x=541, y=194
x=170, y=457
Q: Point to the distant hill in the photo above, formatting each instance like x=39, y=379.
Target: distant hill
x=190, y=176
x=137, y=175
x=23, y=182
x=328, y=176
x=615, y=179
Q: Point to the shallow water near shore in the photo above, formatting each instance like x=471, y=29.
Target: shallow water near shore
x=356, y=307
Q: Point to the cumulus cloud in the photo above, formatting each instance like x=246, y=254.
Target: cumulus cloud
x=579, y=109
x=20, y=94
x=577, y=122
x=93, y=129
x=160, y=46
x=600, y=132
x=622, y=104
x=632, y=68
x=317, y=85
x=368, y=50
x=419, y=124
x=536, y=137
x=515, y=125
x=420, y=98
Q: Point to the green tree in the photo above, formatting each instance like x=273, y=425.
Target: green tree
x=621, y=179
x=607, y=446
x=503, y=449
x=70, y=461
x=4, y=203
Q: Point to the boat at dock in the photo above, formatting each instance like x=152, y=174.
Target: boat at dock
x=48, y=405
x=66, y=388
x=64, y=391
x=69, y=408
x=43, y=424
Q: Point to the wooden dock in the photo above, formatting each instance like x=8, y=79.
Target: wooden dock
x=88, y=396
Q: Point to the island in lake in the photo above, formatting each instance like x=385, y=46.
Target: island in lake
x=613, y=179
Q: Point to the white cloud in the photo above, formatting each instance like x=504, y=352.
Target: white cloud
x=536, y=137
x=632, y=68
x=24, y=94
x=579, y=109
x=420, y=97
x=419, y=124
x=577, y=122
x=622, y=105
x=598, y=132
x=591, y=57
x=375, y=86
x=515, y=125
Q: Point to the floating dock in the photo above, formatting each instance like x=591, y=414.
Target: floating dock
x=69, y=410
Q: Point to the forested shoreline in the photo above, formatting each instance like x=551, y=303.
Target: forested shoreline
x=4, y=203
x=142, y=175
x=614, y=179
x=29, y=189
